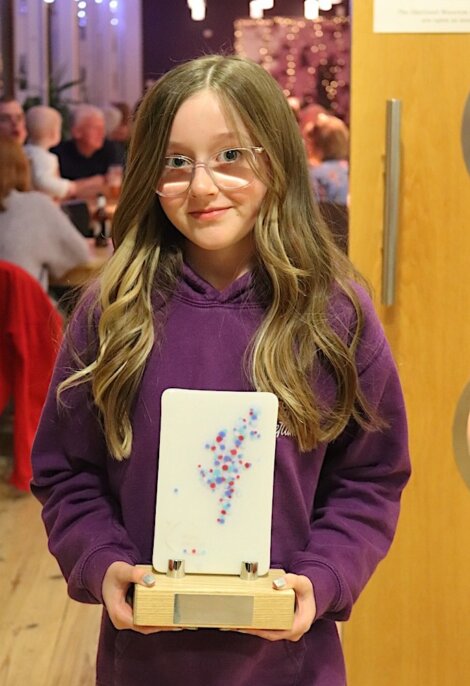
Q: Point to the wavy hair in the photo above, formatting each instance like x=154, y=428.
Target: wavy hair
x=298, y=264
x=14, y=169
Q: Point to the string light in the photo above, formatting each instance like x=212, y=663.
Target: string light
x=198, y=9
x=307, y=58
x=325, y=5
x=311, y=9
x=113, y=8
x=256, y=9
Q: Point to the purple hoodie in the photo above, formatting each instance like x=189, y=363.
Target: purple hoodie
x=335, y=508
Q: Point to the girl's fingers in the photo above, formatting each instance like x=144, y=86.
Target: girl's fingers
x=304, y=612
x=119, y=609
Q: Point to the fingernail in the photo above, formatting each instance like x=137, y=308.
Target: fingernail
x=279, y=583
x=149, y=579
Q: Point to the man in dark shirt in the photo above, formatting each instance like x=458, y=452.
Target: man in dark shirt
x=88, y=153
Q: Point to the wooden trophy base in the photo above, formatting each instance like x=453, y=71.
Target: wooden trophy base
x=217, y=601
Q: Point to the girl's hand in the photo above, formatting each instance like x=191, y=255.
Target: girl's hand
x=305, y=610
x=119, y=576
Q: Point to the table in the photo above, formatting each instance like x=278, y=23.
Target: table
x=79, y=276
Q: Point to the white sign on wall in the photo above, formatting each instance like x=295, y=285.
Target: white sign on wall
x=422, y=16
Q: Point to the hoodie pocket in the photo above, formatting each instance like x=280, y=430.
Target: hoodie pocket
x=205, y=657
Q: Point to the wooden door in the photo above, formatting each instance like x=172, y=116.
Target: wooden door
x=411, y=626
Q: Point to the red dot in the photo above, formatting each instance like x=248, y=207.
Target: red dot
x=247, y=465
x=233, y=452
x=212, y=485
x=212, y=447
x=222, y=512
x=240, y=438
x=225, y=467
x=219, y=439
x=193, y=551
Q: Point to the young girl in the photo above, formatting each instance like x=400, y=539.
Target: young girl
x=223, y=278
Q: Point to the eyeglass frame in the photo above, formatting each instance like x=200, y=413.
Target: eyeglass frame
x=195, y=164
x=12, y=118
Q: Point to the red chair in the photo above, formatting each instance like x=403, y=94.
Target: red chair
x=30, y=334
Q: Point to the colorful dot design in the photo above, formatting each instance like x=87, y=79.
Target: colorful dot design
x=193, y=552
x=228, y=462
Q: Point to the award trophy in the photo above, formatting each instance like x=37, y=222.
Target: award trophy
x=213, y=515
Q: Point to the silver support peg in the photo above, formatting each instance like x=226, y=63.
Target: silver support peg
x=249, y=571
x=175, y=569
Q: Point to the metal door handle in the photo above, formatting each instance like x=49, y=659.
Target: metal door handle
x=391, y=200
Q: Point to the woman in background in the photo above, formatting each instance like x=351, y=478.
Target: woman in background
x=34, y=233
x=328, y=154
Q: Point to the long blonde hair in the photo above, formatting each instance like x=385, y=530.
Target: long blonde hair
x=298, y=264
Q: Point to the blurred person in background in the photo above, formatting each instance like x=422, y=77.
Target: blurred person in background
x=34, y=233
x=122, y=133
x=112, y=120
x=87, y=153
x=328, y=148
x=307, y=117
x=44, y=126
x=12, y=120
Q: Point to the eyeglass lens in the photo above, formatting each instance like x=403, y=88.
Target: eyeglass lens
x=229, y=169
x=11, y=118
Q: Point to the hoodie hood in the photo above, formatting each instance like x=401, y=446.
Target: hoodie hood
x=194, y=289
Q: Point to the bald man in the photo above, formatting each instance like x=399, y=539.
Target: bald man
x=12, y=120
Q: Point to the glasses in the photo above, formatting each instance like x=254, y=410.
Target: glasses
x=11, y=118
x=229, y=169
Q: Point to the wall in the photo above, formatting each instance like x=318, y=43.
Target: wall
x=170, y=36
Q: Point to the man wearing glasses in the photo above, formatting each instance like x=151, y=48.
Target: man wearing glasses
x=12, y=120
